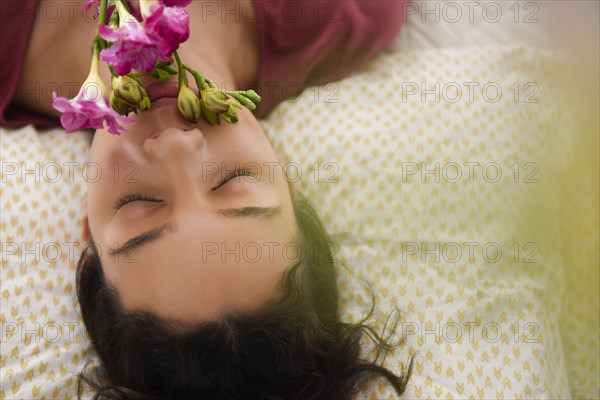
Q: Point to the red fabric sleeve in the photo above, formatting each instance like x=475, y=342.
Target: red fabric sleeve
x=301, y=44
x=308, y=42
x=16, y=18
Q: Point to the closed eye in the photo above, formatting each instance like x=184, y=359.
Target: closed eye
x=234, y=174
x=130, y=198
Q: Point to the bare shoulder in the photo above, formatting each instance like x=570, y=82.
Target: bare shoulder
x=58, y=55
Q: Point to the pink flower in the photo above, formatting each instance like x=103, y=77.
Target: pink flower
x=133, y=48
x=171, y=25
x=176, y=3
x=139, y=47
x=92, y=3
x=88, y=112
x=134, y=8
x=96, y=3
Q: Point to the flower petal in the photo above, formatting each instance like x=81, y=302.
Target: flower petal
x=81, y=114
x=133, y=48
x=170, y=25
x=176, y=3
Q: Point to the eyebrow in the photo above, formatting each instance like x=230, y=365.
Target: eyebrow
x=138, y=241
x=259, y=212
x=147, y=237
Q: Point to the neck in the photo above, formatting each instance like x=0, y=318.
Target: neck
x=223, y=47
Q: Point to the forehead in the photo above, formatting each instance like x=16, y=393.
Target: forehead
x=200, y=271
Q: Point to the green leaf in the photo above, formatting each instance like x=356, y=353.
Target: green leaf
x=114, y=19
x=246, y=102
x=211, y=116
x=161, y=64
x=160, y=74
x=171, y=70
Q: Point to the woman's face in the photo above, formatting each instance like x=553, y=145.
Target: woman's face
x=178, y=233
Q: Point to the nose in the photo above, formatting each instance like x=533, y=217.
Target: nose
x=173, y=143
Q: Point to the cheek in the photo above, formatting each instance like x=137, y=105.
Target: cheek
x=99, y=172
x=100, y=151
x=96, y=208
x=102, y=178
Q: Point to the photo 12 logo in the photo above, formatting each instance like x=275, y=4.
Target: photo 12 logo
x=49, y=332
x=67, y=171
x=469, y=172
x=458, y=332
x=470, y=252
x=490, y=12
x=470, y=92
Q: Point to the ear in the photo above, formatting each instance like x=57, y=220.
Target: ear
x=85, y=227
x=283, y=162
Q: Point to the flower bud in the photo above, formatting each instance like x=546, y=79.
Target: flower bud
x=232, y=119
x=252, y=95
x=117, y=105
x=231, y=115
x=188, y=104
x=246, y=102
x=130, y=91
x=211, y=116
x=215, y=100
x=145, y=104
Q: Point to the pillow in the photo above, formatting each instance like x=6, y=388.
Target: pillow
x=485, y=326
x=438, y=173
x=43, y=339
x=448, y=23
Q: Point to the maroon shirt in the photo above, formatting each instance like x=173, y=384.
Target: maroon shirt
x=301, y=43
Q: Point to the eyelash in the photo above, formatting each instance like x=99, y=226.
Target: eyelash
x=234, y=174
x=140, y=197
x=134, y=197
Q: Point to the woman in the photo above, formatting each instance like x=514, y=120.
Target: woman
x=174, y=303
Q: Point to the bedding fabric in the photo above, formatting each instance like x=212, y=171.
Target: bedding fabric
x=43, y=341
x=476, y=216
x=482, y=324
x=428, y=205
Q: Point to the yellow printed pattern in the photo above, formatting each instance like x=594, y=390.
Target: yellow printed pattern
x=43, y=340
x=441, y=174
x=474, y=216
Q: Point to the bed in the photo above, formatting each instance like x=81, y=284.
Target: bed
x=453, y=173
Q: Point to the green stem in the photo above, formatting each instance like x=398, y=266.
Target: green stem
x=200, y=82
x=99, y=43
x=112, y=71
x=212, y=84
x=94, y=66
x=182, y=74
x=178, y=59
x=103, y=11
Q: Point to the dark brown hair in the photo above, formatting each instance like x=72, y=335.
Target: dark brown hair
x=294, y=347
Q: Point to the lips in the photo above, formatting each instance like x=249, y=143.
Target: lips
x=161, y=90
